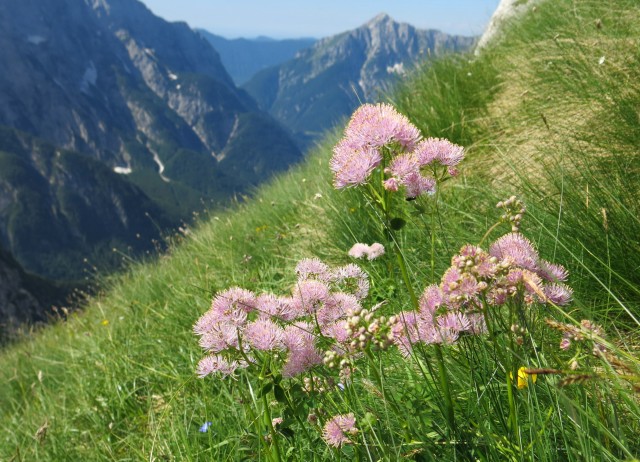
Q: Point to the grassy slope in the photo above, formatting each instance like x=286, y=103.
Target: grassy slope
x=117, y=382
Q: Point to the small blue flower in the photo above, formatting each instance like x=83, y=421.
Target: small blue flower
x=205, y=427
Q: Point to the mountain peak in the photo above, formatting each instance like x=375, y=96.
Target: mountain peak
x=381, y=18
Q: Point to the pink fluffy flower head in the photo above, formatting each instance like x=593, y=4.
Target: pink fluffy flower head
x=229, y=306
x=552, y=272
x=354, y=278
x=391, y=184
x=309, y=295
x=359, y=153
x=517, y=248
x=375, y=250
x=559, y=294
x=338, y=429
x=372, y=251
x=402, y=166
x=417, y=184
x=337, y=306
x=313, y=268
x=219, y=337
x=269, y=306
x=265, y=335
x=449, y=326
x=380, y=124
x=358, y=250
x=216, y=364
x=303, y=355
x=352, y=164
x=439, y=150
x=432, y=299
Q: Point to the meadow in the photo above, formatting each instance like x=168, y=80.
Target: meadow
x=482, y=332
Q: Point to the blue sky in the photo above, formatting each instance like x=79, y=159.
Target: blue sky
x=320, y=18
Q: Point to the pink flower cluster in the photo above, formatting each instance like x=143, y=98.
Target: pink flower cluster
x=415, y=162
x=372, y=251
x=417, y=170
x=512, y=268
x=337, y=430
x=240, y=322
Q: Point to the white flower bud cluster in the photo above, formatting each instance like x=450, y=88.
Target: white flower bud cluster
x=519, y=331
x=366, y=329
x=318, y=384
x=514, y=209
x=331, y=359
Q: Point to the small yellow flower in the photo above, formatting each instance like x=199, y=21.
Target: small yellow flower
x=105, y=322
x=523, y=378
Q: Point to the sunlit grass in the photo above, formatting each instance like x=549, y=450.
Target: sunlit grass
x=117, y=382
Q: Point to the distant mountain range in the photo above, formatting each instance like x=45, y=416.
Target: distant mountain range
x=323, y=84
x=115, y=125
x=243, y=58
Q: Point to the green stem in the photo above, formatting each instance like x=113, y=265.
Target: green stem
x=272, y=431
x=297, y=417
x=433, y=252
x=390, y=398
x=444, y=383
x=513, y=418
x=432, y=227
x=511, y=376
x=405, y=273
x=489, y=231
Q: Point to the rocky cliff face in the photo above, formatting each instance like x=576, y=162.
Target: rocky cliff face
x=324, y=83
x=116, y=125
x=60, y=209
x=145, y=105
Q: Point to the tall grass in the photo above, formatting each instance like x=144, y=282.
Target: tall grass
x=540, y=118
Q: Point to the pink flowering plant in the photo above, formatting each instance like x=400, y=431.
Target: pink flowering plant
x=320, y=347
x=284, y=337
x=288, y=333
x=383, y=151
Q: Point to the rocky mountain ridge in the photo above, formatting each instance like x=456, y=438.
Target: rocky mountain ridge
x=115, y=126
x=324, y=83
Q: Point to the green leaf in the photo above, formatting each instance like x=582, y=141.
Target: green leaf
x=279, y=394
x=266, y=389
x=397, y=224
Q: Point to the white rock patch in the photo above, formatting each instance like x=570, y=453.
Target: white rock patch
x=507, y=10
x=123, y=170
x=89, y=77
x=36, y=39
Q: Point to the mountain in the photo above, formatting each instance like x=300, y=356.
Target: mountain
x=17, y=304
x=324, y=83
x=243, y=58
x=23, y=297
x=60, y=209
x=115, y=125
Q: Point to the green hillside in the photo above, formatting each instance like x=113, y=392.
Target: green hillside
x=549, y=113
